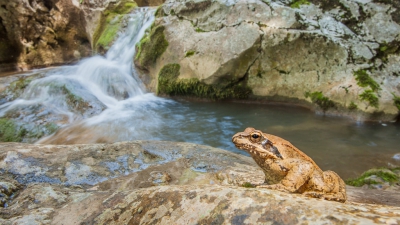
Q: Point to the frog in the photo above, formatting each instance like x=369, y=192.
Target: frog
x=287, y=168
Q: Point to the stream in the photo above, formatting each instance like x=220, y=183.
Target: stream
x=101, y=99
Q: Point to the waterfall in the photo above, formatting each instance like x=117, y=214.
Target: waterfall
x=96, y=95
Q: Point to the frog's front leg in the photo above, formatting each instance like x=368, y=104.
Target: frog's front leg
x=298, y=173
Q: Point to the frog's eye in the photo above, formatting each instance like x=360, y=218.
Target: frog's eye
x=255, y=137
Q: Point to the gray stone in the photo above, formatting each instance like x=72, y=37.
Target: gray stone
x=282, y=52
x=163, y=183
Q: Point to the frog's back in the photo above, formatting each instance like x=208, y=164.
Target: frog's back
x=288, y=150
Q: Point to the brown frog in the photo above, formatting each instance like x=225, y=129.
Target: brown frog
x=288, y=169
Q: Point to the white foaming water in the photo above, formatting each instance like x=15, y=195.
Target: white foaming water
x=106, y=85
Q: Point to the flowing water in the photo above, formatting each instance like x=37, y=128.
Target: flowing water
x=101, y=100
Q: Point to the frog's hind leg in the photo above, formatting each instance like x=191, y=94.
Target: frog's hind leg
x=336, y=186
x=332, y=189
x=339, y=197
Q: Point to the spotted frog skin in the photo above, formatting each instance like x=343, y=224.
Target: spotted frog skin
x=288, y=169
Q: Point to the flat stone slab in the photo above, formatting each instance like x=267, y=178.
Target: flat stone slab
x=156, y=182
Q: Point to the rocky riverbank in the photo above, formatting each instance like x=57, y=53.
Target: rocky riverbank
x=160, y=182
x=339, y=57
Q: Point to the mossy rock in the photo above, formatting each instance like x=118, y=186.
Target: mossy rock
x=322, y=101
x=298, y=3
x=353, y=106
x=370, y=97
x=396, y=101
x=386, y=175
x=169, y=84
x=110, y=24
x=364, y=80
x=10, y=131
x=151, y=47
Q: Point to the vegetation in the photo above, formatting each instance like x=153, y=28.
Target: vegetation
x=248, y=185
x=318, y=98
x=199, y=30
x=168, y=83
x=189, y=53
x=73, y=100
x=110, y=23
x=151, y=46
x=10, y=131
x=396, y=101
x=353, y=106
x=159, y=12
x=388, y=175
x=298, y=3
x=370, y=97
x=386, y=49
x=364, y=80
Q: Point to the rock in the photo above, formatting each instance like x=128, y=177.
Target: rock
x=278, y=51
x=8, y=190
x=143, y=182
x=41, y=33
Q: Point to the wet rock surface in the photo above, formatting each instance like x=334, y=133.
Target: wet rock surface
x=282, y=50
x=145, y=182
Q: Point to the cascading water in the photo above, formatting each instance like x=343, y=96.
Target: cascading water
x=94, y=97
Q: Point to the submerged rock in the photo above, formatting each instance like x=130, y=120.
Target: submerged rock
x=340, y=57
x=157, y=182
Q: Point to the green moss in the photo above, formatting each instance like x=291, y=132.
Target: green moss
x=189, y=53
x=151, y=47
x=396, y=101
x=168, y=83
x=370, y=97
x=51, y=128
x=383, y=48
x=73, y=100
x=109, y=34
x=298, y=3
x=159, y=12
x=110, y=23
x=386, y=174
x=199, y=30
x=364, y=80
x=386, y=49
x=352, y=106
x=248, y=185
x=124, y=7
x=10, y=131
x=318, y=98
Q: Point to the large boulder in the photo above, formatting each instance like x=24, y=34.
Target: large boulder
x=340, y=57
x=155, y=182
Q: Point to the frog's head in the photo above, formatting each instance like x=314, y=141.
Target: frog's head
x=254, y=142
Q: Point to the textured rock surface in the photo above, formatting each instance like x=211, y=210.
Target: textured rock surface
x=281, y=52
x=42, y=33
x=39, y=33
x=146, y=182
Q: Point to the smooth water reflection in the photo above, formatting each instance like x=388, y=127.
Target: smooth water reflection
x=338, y=144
